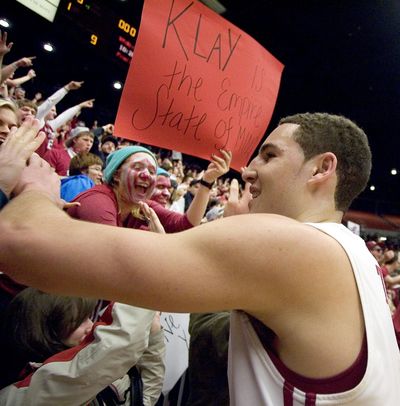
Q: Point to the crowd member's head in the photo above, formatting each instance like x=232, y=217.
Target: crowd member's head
x=19, y=93
x=38, y=325
x=8, y=118
x=131, y=171
x=108, y=144
x=215, y=210
x=161, y=193
x=194, y=186
x=187, y=178
x=320, y=156
x=87, y=164
x=166, y=164
x=179, y=192
x=125, y=143
x=80, y=140
x=51, y=115
x=26, y=108
x=376, y=250
x=392, y=263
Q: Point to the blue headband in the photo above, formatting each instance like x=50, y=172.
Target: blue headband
x=115, y=160
x=163, y=172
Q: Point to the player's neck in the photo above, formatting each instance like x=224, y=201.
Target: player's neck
x=319, y=215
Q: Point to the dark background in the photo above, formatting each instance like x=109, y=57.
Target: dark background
x=340, y=56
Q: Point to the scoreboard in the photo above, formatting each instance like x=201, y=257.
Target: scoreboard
x=102, y=24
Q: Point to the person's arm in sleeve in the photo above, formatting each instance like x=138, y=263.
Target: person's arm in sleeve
x=55, y=98
x=103, y=130
x=8, y=70
x=21, y=80
x=151, y=365
x=69, y=114
x=77, y=375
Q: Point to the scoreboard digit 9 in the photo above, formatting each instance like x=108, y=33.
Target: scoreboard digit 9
x=99, y=24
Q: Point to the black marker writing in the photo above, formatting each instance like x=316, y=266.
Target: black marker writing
x=220, y=49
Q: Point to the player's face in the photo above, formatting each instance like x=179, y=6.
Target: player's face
x=137, y=177
x=278, y=174
x=161, y=193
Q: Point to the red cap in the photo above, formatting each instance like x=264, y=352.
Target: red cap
x=371, y=245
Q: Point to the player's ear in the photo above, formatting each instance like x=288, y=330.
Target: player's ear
x=324, y=167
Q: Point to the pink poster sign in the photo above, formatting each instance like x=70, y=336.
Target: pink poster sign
x=197, y=83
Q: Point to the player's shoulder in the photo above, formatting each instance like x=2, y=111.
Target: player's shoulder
x=280, y=234
x=268, y=223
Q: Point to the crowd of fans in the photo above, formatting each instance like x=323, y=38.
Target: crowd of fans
x=96, y=168
x=109, y=180
x=389, y=261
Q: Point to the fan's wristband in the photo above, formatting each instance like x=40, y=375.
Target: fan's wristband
x=206, y=184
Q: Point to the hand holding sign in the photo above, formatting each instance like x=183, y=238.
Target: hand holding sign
x=218, y=166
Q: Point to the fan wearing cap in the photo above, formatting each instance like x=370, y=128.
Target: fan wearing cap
x=104, y=141
x=171, y=221
x=108, y=144
x=376, y=250
x=80, y=140
x=161, y=193
x=129, y=178
x=197, y=209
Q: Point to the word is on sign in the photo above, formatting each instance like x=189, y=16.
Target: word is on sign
x=197, y=83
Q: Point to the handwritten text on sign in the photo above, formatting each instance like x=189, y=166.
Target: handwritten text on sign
x=177, y=340
x=197, y=83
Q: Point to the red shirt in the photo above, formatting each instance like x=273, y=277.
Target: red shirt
x=59, y=159
x=99, y=205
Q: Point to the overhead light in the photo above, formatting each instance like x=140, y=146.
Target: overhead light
x=372, y=187
x=4, y=23
x=117, y=85
x=393, y=171
x=383, y=238
x=48, y=47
